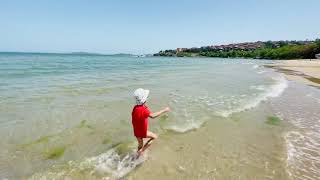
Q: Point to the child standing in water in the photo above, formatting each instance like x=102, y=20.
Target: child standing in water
x=140, y=115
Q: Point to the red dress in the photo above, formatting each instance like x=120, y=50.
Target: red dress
x=140, y=114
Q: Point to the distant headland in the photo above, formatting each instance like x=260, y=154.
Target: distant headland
x=258, y=50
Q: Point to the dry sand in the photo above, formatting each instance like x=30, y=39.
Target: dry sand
x=303, y=71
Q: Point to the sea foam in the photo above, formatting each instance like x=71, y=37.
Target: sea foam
x=273, y=91
x=112, y=164
x=302, y=155
x=108, y=165
x=255, y=66
x=186, y=127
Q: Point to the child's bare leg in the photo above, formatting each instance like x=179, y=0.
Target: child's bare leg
x=140, y=144
x=152, y=137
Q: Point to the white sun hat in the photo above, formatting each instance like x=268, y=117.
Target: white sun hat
x=141, y=95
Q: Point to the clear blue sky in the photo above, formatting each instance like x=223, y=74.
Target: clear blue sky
x=147, y=26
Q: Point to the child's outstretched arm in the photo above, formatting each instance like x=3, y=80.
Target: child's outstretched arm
x=156, y=114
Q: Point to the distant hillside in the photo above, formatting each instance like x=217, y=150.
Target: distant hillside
x=257, y=50
x=86, y=53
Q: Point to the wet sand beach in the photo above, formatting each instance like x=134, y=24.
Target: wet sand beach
x=303, y=71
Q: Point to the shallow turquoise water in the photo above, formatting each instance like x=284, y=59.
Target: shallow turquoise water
x=80, y=105
x=55, y=89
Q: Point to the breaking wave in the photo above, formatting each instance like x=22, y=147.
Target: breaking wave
x=272, y=91
x=190, y=112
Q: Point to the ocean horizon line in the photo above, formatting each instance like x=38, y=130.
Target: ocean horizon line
x=67, y=53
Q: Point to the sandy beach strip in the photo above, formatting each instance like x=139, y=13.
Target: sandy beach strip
x=303, y=71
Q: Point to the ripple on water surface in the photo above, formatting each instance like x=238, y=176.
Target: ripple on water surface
x=299, y=106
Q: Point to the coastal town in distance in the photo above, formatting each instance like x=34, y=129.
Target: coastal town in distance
x=307, y=49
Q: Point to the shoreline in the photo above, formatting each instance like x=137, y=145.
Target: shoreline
x=301, y=71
